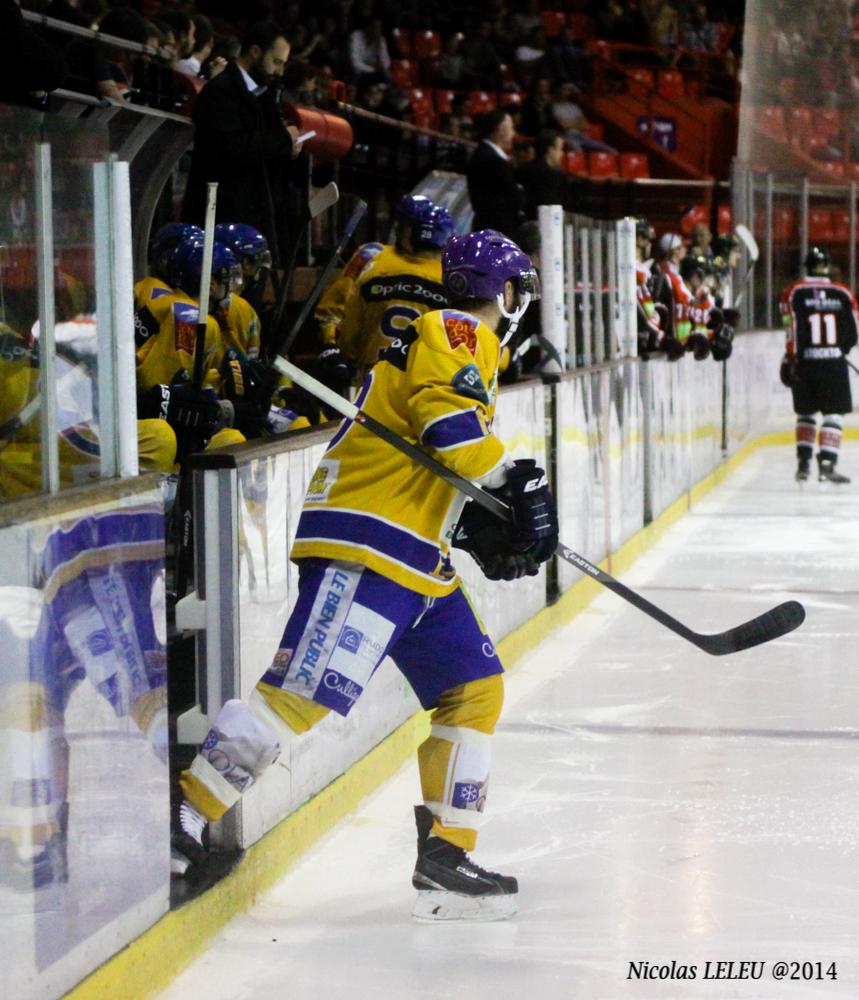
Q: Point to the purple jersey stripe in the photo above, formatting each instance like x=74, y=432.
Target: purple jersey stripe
x=456, y=429
x=354, y=528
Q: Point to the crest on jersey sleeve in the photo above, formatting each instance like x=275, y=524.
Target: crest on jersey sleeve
x=185, y=317
x=467, y=382
x=460, y=328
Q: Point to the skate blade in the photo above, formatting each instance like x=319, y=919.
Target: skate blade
x=434, y=907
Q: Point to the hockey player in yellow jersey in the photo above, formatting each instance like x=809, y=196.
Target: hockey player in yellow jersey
x=376, y=578
x=165, y=362
x=155, y=284
x=331, y=305
x=396, y=285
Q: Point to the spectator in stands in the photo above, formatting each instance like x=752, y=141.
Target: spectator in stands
x=495, y=195
x=662, y=26
x=30, y=67
x=242, y=141
x=702, y=237
x=536, y=114
x=224, y=50
x=619, y=22
x=482, y=60
x=204, y=38
x=572, y=122
x=698, y=32
x=524, y=21
x=530, y=57
x=567, y=60
x=106, y=70
x=183, y=28
x=451, y=65
x=543, y=180
x=368, y=50
x=459, y=122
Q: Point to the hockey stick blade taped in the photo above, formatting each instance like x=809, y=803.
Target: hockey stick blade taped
x=774, y=623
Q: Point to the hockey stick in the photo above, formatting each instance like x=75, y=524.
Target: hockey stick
x=322, y=280
x=751, y=244
x=205, y=284
x=773, y=623
x=324, y=199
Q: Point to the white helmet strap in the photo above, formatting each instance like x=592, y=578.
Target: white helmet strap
x=514, y=316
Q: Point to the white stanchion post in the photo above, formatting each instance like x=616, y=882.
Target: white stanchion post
x=551, y=222
x=123, y=321
x=627, y=332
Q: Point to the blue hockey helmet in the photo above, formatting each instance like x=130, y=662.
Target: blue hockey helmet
x=165, y=241
x=246, y=243
x=430, y=225
x=478, y=266
x=185, y=266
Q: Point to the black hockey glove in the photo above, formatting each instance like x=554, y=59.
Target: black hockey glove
x=335, y=370
x=723, y=343
x=535, y=516
x=699, y=345
x=674, y=348
x=249, y=386
x=492, y=544
x=185, y=408
x=788, y=371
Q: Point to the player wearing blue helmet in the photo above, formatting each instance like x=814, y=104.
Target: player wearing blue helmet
x=374, y=549
x=398, y=285
x=254, y=256
x=419, y=225
x=155, y=285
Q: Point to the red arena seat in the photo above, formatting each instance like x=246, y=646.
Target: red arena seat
x=402, y=42
x=480, y=101
x=426, y=45
x=639, y=81
x=724, y=220
x=669, y=83
x=404, y=73
x=634, y=165
x=553, y=22
x=575, y=162
x=602, y=166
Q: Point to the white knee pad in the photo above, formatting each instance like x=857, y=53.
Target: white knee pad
x=467, y=779
x=238, y=749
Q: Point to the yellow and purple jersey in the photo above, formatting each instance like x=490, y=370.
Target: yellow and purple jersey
x=171, y=349
x=436, y=386
x=393, y=291
x=240, y=328
x=330, y=308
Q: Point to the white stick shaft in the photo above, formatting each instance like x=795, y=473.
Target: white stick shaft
x=208, y=246
x=314, y=386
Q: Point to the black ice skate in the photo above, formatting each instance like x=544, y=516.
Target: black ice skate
x=827, y=472
x=186, y=839
x=451, y=886
x=803, y=470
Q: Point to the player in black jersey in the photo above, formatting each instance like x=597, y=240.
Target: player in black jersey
x=822, y=324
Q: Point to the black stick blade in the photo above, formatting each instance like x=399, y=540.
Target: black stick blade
x=772, y=624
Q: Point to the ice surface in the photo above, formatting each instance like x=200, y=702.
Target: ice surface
x=656, y=803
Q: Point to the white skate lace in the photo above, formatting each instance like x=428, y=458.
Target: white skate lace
x=192, y=822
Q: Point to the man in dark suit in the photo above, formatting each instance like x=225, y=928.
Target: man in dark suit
x=241, y=140
x=495, y=195
x=543, y=180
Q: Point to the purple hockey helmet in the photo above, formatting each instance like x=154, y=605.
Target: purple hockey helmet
x=430, y=225
x=478, y=266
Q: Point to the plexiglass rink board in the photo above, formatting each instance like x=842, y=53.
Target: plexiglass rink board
x=84, y=795
x=757, y=402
